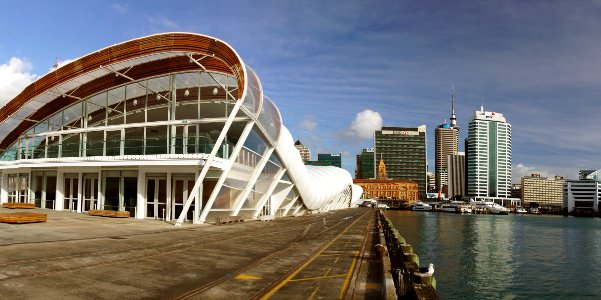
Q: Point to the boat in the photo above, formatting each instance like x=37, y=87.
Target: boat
x=491, y=207
x=520, y=210
x=421, y=206
x=449, y=207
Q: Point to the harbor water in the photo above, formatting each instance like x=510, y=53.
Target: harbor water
x=506, y=256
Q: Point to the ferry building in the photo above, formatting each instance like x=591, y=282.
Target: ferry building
x=171, y=126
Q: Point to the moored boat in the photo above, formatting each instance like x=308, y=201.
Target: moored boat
x=421, y=206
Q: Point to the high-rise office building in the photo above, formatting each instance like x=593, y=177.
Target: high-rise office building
x=489, y=155
x=446, y=138
x=330, y=159
x=583, y=195
x=456, y=167
x=404, y=151
x=305, y=152
x=367, y=164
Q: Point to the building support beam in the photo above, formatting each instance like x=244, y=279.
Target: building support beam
x=226, y=171
x=268, y=193
x=197, y=189
x=289, y=206
x=252, y=181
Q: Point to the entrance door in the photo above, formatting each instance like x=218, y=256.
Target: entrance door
x=156, y=198
x=90, y=193
x=71, y=182
x=180, y=191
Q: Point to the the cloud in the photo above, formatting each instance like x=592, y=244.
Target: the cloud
x=15, y=75
x=120, y=8
x=163, y=22
x=308, y=123
x=365, y=123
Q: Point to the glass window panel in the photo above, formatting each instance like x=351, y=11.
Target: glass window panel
x=252, y=101
x=255, y=142
x=56, y=122
x=71, y=145
x=53, y=146
x=95, y=143
x=136, y=100
x=158, y=99
x=134, y=141
x=111, y=193
x=116, y=106
x=72, y=116
x=156, y=140
x=96, y=109
x=270, y=119
x=41, y=127
x=213, y=109
x=113, y=143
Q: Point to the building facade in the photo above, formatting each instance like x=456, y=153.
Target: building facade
x=404, y=150
x=456, y=167
x=546, y=192
x=394, y=189
x=584, y=194
x=489, y=155
x=366, y=165
x=171, y=126
x=304, y=151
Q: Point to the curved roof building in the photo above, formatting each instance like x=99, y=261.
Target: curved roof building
x=171, y=126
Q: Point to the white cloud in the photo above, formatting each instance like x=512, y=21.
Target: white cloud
x=15, y=75
x=119, y=8
x=365, y=123
x=308, y=123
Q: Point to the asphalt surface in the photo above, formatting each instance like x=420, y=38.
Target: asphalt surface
x=76, y=256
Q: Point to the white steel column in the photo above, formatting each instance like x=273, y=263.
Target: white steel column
x=280, y=198
x=268, y=193
x=140, y=203
x=297, y=209
x=290, y=205
x=60, y=191
x=79, y=191
x=253, y=179
x=169, y=198
x=4, y=191
x=226, y=171
x=208, y=162
x=197, y=202
x=99, y=195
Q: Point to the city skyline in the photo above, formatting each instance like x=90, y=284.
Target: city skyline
x=344, y=69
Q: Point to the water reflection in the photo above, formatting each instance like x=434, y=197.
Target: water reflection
x=506, y=257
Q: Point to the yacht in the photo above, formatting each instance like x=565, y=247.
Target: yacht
x=520, y=210
x=456, y=207
x=449, y=207
x=491, y=207
x=421, y=206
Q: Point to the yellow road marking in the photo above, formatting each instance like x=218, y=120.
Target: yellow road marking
x=285, y=281
x=313, y=294
x=327, y=272
x=317, y=278
x=347, y=280
x=246, y=276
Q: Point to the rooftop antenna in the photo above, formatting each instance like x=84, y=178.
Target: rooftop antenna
x=482, y=106
x=453, y=118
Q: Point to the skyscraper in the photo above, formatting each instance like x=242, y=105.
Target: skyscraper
x=368, y=163
x=305, y=152
x=446, y=138
x=456, y=167
x=330, y=159
x=404, y=151
x=489, y=155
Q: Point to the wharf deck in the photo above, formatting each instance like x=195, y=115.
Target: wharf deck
x=326, y=255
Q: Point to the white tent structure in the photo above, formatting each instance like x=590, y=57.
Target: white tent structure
x=170, y=126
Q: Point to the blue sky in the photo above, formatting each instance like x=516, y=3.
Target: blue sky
x=336, y=69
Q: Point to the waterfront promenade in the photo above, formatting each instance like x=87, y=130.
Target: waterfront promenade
x=76, y=256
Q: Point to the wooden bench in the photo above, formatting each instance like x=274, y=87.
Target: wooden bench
x=18, y=205
x=23, y=217
x=108, y=213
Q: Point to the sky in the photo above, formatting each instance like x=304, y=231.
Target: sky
x=338, y=70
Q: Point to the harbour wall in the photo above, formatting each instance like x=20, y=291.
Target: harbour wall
x=402, y=265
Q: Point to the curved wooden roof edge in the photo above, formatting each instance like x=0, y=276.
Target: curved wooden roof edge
x=136, y=48
x=220, y=57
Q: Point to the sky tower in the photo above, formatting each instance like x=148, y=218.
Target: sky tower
x=446, y=138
